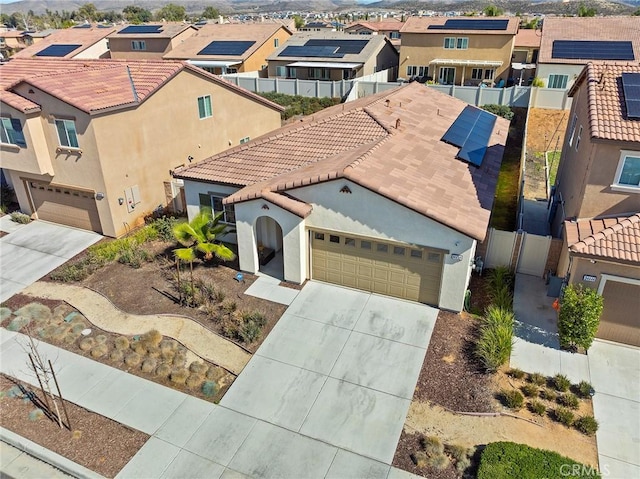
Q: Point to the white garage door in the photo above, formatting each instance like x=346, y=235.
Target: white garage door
x=65, y=206
x=393, y=269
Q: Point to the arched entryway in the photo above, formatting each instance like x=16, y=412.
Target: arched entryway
x=269, y=246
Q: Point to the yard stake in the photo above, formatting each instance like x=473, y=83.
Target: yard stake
x=44, y=395
x=64, y=408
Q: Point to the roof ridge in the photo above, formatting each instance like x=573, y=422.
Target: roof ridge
x=360, y=159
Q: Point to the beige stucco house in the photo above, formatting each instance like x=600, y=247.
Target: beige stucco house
x=92, y=143
x=596, y=205
x=137, y=42
x=333, y=56
x=524, y=58
x=232, y=47
x=389, y=27
x=457, y=51
x=366, y=194
x=83, y=42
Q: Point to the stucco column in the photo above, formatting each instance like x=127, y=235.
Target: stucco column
x=295, y=258
x=247, y=250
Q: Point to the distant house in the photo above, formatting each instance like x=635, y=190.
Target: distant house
x=138, y=42
x=596, y=205
x=458, y=51
x=232, y=47
x=82, y=42
x=12, y=41
x=333, y=56
x=318, y=27
x=374, y=194
x=525, y=55
x=569, y=43
x=92, y=143
x=389, y=27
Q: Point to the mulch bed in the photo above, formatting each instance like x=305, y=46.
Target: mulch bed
x=450, y=374
x=95, y=442
x=479, y=287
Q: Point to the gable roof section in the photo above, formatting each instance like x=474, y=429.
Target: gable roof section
x=587, y=29
x=607, y=110
x=614, y=238
x=528, y=38
x=422, y=24
x=383, y=25
x=84, y=37
x=359, y=141
x=94, y=86
x=257, y=32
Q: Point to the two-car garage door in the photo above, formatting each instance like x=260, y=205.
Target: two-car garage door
x=65, y=206
x=391, y=269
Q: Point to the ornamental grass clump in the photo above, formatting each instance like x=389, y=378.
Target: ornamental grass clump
x=163, y=370
x=99, y=350
x=537, y=379
x=587, y=425
x=561, y=383
x=512, y=398
x=179, y=375
x=209, y=388
x=495, y=342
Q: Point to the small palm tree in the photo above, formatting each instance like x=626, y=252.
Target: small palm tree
x=200, y=235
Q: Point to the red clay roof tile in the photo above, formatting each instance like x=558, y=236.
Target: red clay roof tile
x=615, y=238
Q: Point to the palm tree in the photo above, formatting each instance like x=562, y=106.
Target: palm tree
x=200, y=235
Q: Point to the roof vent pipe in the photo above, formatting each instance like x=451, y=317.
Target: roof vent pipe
x=397, y=123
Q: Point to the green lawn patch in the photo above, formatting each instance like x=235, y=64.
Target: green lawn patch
x=553, y=159
x=506, y=460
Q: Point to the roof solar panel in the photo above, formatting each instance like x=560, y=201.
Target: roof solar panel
x=470, y=24
x=226, y=47
x=631, y=89
x=141, y=29
x=84, y=25
x=57, y=50
x=592, y=50
x=343, y=46
x=471, y=132
x=311, y=51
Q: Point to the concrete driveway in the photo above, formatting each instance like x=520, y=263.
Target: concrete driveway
x=31, y=251
x=615, y=375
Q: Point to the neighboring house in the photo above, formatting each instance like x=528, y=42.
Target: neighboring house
x=389, y=27
x=82, y=42
x=366, y=194
x=458, y=51
x=596, y=208
x=137, y=42
x=32, y=37
x=333, y=56
x=525, y=56
x=232, y=48
x=318, y=27
x=568, y=43
x=92, y=143
x=12, y=41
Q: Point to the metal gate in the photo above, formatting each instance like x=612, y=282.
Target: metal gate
x=533, y=254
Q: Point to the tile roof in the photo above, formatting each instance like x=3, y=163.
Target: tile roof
x=386, y=24
x=528, y=38
x=167, y=30
x=359, y=141
x=587, y=28
x=615, y=238
x=258, y=32
x=421, y=25
x=85, y=37
x=97, y=85
x=607, y=110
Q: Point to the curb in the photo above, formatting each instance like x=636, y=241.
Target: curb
x=45, y=455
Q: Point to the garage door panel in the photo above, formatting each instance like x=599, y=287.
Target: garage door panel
x=620, y=321
x=65, y=206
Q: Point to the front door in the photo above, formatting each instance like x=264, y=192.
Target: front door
x=447, y=76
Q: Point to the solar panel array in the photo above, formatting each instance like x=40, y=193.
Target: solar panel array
x=469, y=24
x=592, y=50
x=631, y=89
x=226, y=47
x=141, y=29
x=325, y=48
x=84, y=25
x=471, y=133
x=57, y=50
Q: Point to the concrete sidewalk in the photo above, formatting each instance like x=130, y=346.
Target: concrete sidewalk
x=18, y=464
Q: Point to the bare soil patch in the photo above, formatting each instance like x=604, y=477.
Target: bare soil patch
x=546, y=129
x=95, y=442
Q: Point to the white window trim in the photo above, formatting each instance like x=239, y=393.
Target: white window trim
x=445, y=41
x=620, y=279
x=60, y=145
x=557, y=75
x=206, y=114
x=624, y=188
x=138, y=45
x=465, y=41
x=478, y=70
x=573, y=129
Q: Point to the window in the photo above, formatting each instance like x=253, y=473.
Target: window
x=449, y=43
x=67, y=133
x=398, y=250
x=488, y=74
x=276, y=42
x=319, y=73
x=557, y=81
x=204, y=106
x=382, y=248
x=350, y=242
x=291, y=72
x=334, y=239
x=579, y=137
x=416, y=253
x=395, y=35
x=11, y=132
x=245, y=140
x=462, y=43
x=281, y=71
x=573, y=129
x=476, y=74
x=213, y=203
x=433, y=257
x=138, y=45
x=319, y=236
x=414, y=70
x=628, y=173
x=365, y=244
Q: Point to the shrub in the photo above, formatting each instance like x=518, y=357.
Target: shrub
x=501, y=110
x=69, y=338
x=502, y=297
x=4, y=313
x=134, y=256
x=35, y=311
x=495, y=343
x=516, y=373
x=116, y=355
x=179, y=375
x=179, y=360
x=579, y=316
x=506, y=460
x=584, y=389
x=564, y=416
x=121, y=342
x=101, y=339
x=87, y=343
x=215, y=373
x=139, y=347
x=198, y=367
x=194, y=381
x=229, y=306
x=463, y=464
x=458, y=451
x=149, y=365
x=299, y=105
x=36, y=414
x=537, y=379
x=164, y=227
x=438, y=461
x=561, y=382
x=512, y=398
x=569, y=400
x=536, y=407
x=420, y=459
x=17, y=323
x=500, y=276
x=586, y=425
x=151, y=338
x=209, y=388
x=21, y=218
x=163, y=370
x=99, y=350
x=529, y=390
x=432, y=445
x=537, y=82
x=548, y=394
x=132, y=359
